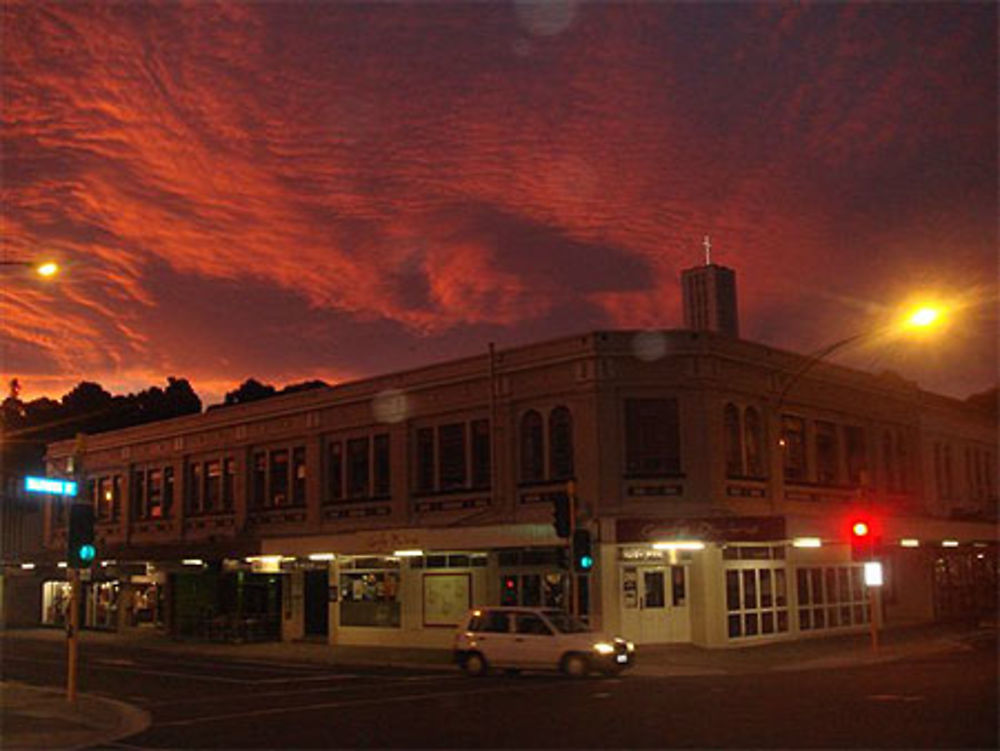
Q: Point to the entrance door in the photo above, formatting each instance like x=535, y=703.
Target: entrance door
x=654, y=604
x=317, y=608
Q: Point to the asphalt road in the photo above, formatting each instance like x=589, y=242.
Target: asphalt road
x=948, y=701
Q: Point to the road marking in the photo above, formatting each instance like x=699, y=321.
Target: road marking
x=334, y=705
x=600, y=696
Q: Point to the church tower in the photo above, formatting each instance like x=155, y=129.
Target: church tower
x=709, y=294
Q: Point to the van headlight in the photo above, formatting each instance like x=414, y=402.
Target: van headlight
x=629, y=646
x=603, y=648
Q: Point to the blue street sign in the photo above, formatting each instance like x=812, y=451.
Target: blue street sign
x=50, y=486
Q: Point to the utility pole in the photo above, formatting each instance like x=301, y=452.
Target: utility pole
x=574, y=581
x=73, y=574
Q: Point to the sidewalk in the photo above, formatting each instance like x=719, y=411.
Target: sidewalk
x=35, y=718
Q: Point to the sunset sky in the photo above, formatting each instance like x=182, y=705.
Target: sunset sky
x=298, y=190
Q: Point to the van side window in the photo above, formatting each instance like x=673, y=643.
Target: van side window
x=529, y=623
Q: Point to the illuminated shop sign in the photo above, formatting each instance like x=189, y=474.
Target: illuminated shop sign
x=50, y=486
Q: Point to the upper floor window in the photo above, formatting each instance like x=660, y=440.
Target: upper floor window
x=453, y=456
x=732, y=439
x=652, y=437
x=278, y=477
x=827, y=453
x=754, y=434
x=152, y=493
x=532, y=448
x=560, y=444
x=358, y=468
x=793, y=441
x=889, y=469
x=857, y=454
x=210, y=486
x=105, y=495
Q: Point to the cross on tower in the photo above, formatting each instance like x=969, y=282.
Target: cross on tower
x=708, y=251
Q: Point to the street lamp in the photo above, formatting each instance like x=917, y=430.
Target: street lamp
x=46, y=269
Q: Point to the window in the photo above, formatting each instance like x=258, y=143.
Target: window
x=381, y=462
x=481, y=462
x=827, y=453
x=756, y=601
x=754, y=440
x=451, y=456
x=194, y=488
x=370, y=598
x=560, y=444
x=652, y=437
x=299, y=476
x=357, y=468
x=532, y=456
x=425, y=460
x=793, y=435
x=888, y=462
x=168, y=491
x=831, y=597
x=732, y=439
x=902, y=459
x=213, y=485
x=228, y=484
x=153, y=503
x=278, y=480
x=857, y=454
x=259, y=479
x=335, y=471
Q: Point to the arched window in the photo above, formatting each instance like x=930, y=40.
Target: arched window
x=733, y=441
x=753, y=437
x=901, y=461
x=532, y=456
x=560, y=444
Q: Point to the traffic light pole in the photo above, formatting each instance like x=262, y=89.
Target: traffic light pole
x=72, y=629
x=574, y=581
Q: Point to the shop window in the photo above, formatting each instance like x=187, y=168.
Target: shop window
x=168, y=491
x=756, y=601
x=195, y=488
x=754, y=440
x=299, y=476
x=481, y=462
x=652, y=437
x=857, y=454
x=531, y=590
x=831, y=597
x=425, y=460
x=357, y=468
x=732, y=441
x=532, y=456
x=55, y=602
x=793, y=435
x=827, y=453
x=451, y=456
x=679, y=588
x=382, y=465
x=370, y=599
x=560, y=444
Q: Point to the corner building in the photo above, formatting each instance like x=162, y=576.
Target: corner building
x=718, y=477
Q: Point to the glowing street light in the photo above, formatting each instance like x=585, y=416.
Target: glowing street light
x=46, y=269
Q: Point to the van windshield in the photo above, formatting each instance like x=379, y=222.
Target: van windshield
x=565, y=623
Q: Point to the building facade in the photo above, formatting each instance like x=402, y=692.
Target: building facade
x=719, y=494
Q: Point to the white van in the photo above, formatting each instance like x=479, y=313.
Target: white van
x=515, y=638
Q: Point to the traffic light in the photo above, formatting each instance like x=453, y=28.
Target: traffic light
x=80, y=549
x=560, y=515
x=583, y=557
x=862, y=540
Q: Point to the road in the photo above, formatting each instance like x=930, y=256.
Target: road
x=947, y=701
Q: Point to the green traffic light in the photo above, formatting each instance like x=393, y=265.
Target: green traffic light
x=586, y=562
x=87, y=553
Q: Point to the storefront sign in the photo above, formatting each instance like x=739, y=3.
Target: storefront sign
x=707, y=529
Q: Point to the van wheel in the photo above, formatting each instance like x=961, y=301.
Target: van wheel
x=575, y=665
x=475, y=665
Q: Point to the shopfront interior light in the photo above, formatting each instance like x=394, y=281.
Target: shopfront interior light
x=27, y=566
x=321, y=556
x=407, y=553
x=909, y=542
x=193, y=562
x=679, y=545
x=263, y=559
x=949, y=543
x=807, y=542
x=62, y=564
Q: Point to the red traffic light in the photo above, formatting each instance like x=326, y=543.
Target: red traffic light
x=860, y=528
